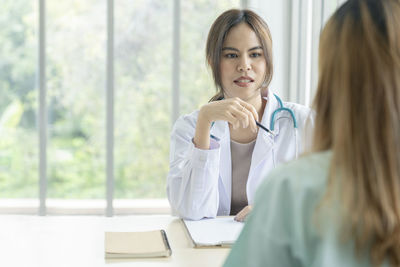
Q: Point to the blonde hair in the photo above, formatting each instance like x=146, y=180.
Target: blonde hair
x=358, y=118
x=216, y=37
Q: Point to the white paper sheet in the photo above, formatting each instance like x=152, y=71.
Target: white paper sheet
x=222, y=231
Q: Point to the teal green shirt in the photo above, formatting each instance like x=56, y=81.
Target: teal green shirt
x=281, y=230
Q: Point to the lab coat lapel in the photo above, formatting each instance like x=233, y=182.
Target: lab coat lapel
x=265, y=141
x=262, y=149
x=221, y=131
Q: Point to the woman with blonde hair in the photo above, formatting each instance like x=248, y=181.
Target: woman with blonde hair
x=340, y=206
x=218, y=154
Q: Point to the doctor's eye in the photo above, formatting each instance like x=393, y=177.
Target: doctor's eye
x=256, y=54
x=230, y=55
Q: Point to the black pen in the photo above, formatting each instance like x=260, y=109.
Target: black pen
x=264, y=128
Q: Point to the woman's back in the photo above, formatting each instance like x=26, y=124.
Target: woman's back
x=354, y=194
x=284, y=229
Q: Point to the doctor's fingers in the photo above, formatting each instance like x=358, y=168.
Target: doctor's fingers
x=250, y=108
x=246, y=117
x=239, y=103
x=242, y=215
x=231, y=119
x=241, y=114
x=251, y=119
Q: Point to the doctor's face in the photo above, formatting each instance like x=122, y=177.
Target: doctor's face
x=243, y=64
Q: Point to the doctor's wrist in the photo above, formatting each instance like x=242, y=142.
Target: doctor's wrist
x=202, y=135
x=203, y=117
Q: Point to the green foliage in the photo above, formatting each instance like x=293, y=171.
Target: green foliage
x=76, y=97
x=11, y=116
x=18, y=137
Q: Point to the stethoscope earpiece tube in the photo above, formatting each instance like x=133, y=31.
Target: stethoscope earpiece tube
x=281, y=108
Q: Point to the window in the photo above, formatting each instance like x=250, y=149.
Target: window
x=143, y=78
x=75, y=67
x=75, y=56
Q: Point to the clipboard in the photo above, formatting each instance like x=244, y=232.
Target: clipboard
x=216, y=232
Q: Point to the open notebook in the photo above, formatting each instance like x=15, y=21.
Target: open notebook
x=220, y=231
x=136, y=244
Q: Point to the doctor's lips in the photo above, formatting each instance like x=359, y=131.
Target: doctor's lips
x=243, y=81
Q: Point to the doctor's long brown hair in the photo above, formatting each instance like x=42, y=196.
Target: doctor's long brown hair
x=358, y=118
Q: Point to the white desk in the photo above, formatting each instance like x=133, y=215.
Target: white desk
x=74, y=241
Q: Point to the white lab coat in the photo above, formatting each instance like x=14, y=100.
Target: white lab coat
x=199, y=182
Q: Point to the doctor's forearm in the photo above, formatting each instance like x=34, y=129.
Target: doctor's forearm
x=202, y=134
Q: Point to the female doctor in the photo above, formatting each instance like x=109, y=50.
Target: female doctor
x=218, y=154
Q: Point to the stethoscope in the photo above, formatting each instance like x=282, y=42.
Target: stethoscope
x=274, y=118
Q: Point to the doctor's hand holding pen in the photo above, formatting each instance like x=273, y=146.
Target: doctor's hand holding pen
x=240, y=115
